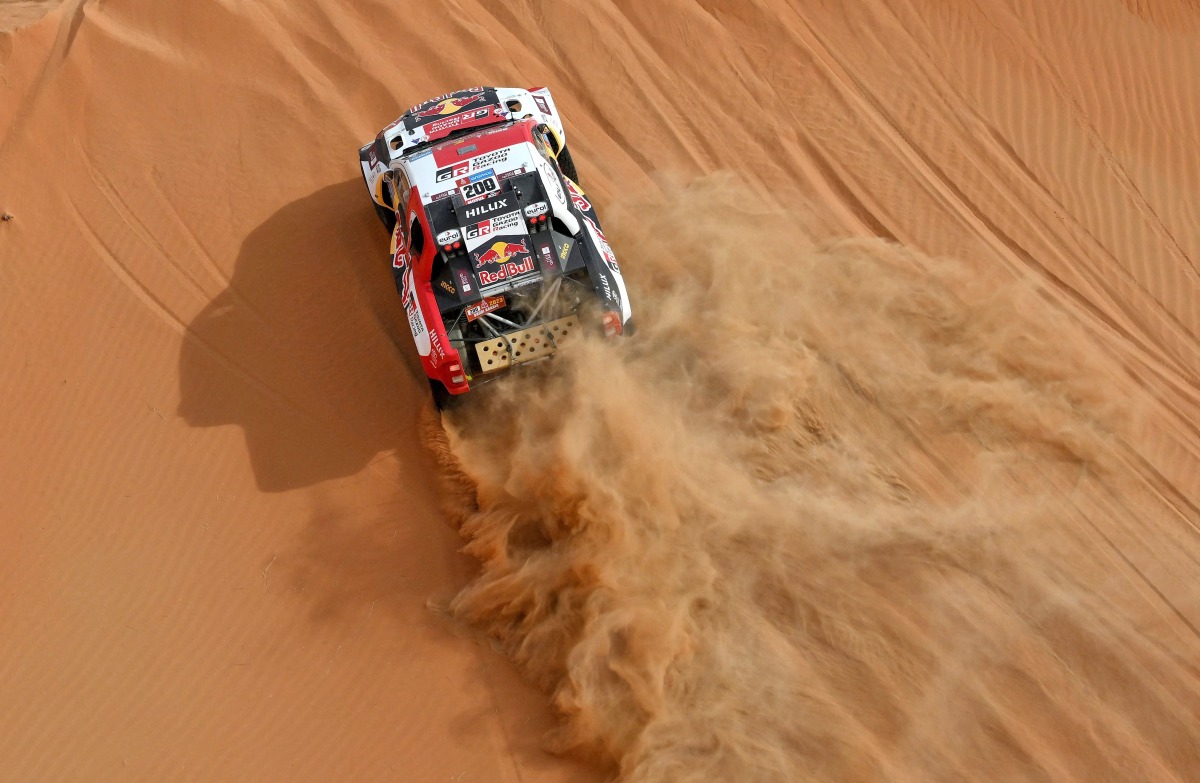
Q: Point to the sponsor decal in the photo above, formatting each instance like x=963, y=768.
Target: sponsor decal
x=477, y=233
x=619, y=296
x=456, y=120
x=493, y=131
x=608, y=297
x=542, y=104
x=508, y=271
x=489, y=159
x=447, y=106
x=565, y=250
x=464, y=279
x=475, y=177
x=547, y=255
x=473, y=92
x=416, y=322
x=491, y=205
x=577, y=198
x=550, y=177
x=602, y=243
x=488, y=305
x=479, y=185
x=504, y=260
x=437, y=354
x=447, y=287
x=446, y=237
x=533, y=210
x=450, y=172
x=398, y=248
x=401, y=258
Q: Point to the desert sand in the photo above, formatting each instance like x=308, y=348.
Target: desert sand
x=897, y=481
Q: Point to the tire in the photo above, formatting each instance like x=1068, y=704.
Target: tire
x=441, y=397
x=387, y=216
x=567, y=165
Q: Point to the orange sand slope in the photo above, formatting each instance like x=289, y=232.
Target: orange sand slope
x=851, y=509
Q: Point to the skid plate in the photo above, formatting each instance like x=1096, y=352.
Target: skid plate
x=526, y=344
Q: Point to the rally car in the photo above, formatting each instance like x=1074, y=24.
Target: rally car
x=497, y=254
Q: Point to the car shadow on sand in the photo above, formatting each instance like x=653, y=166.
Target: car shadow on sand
x=308, y=351
x=302, y=349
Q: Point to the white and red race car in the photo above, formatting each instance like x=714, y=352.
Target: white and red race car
x=496, y=251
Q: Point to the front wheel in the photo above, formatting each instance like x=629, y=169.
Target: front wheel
x=387, y=216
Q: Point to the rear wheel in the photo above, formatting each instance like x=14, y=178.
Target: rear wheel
x=441, y=396
x=388, y=216
x=567, y=165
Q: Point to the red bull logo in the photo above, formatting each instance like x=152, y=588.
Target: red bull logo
x=448, y=106
x=500, y=252
x=506, y=271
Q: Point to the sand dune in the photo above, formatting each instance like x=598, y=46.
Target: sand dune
x=897, y=481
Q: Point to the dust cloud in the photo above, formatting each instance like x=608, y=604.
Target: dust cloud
x=836, y=512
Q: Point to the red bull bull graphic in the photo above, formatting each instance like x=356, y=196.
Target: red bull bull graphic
x=470, y=92
x=448, y=106
x=504, y=260
x=500, y=252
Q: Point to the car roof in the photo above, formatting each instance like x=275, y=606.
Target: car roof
x=437, y=170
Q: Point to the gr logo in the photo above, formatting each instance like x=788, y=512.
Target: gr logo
x=478, y=230
x=450, y=172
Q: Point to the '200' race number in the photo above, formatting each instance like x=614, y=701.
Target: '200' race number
x=479, y=188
